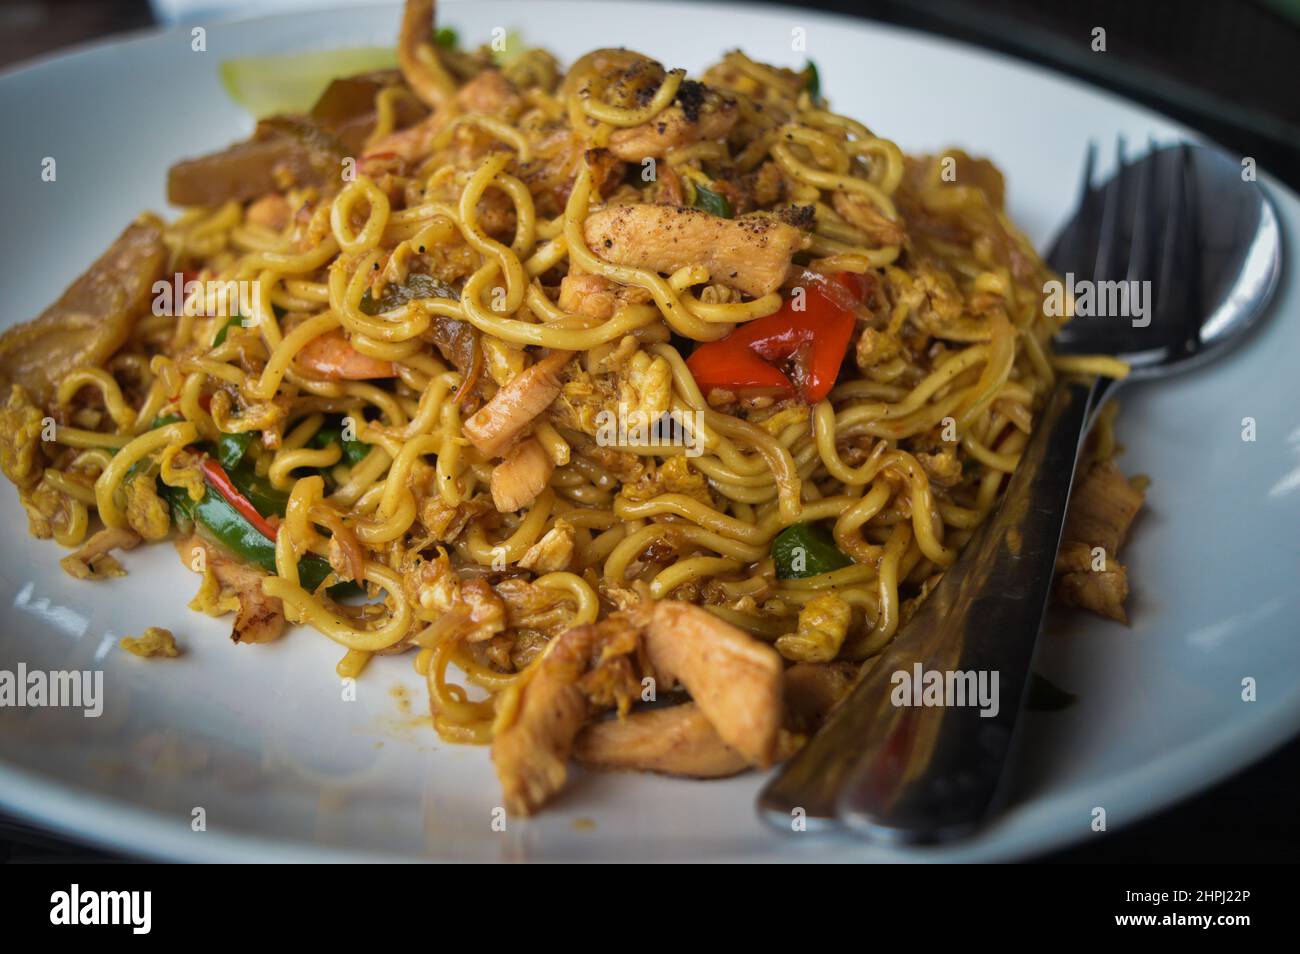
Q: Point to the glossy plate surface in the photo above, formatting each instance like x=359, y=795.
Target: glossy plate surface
x=283, y=768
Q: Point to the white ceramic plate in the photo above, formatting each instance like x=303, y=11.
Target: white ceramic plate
x=259, y=737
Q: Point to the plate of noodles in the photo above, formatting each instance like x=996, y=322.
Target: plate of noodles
x=507, y=438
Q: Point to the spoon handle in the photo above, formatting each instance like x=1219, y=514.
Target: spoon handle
x=897, y=769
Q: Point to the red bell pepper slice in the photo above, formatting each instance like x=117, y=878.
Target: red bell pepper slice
x=220, y=481
x=811, y=343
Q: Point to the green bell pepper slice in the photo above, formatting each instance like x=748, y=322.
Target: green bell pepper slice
x=806, y=549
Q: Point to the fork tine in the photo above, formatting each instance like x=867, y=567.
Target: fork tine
x=1112, y=225
x=1176, y=260
x=1089, y=165
x=1144, y=223
x=1072, y=245
x=1190, y=320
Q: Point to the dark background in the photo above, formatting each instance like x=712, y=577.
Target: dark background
x=1229, y=68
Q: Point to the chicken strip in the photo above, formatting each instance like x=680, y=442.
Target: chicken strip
x=1102, y=507
x=678, y=740
x=735, y=680
x=596, y=296
x=498, y=422
x=700, y=114
x=585, y=669
x=750, y=254
x=1080, y=583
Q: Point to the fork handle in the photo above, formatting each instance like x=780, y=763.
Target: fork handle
x=917, y=773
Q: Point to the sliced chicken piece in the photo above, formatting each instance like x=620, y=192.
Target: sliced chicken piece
x=735, y=679
x=586, y=669
x=518, y=479
x=596, y=296
x=91, y=320
x=498, y=422
x=408, y=145
x=489, y=93
x=1079, y=584
x=700, y=114
x=678, y=740
x=750, y=254
x=1102, y=508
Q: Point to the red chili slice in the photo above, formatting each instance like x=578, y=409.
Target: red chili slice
x=812, y=341
x=216, y=475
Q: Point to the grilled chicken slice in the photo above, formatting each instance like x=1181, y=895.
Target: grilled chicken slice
x=498, y=422
x=1102, y=507
x=678, y=740
x=489, y=93
x=735, y=680
x=749, y=254
x=91, y=320
x=586, y=669
x=596, y=296
x=518, y=479
x=701, y=114
x=1080, y=584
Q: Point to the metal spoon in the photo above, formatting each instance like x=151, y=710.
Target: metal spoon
x=1181, y=218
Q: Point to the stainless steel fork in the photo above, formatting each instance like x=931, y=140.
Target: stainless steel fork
x=913, y=773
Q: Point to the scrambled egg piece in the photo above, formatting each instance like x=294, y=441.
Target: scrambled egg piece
x=935, y=304
x=155, y=642
x=94, y=559
x=646, y=385
x=778, y=422
x=674, y=476
x=146, y=513
x=823, y=624
x=552, y=552
x=443, y=522
x=876, y=347
x=942, y=467
x=179, y=467
x=44, y=506
x=635, y=383
x=212, y=598
x=432, y=584
x=20, y=437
